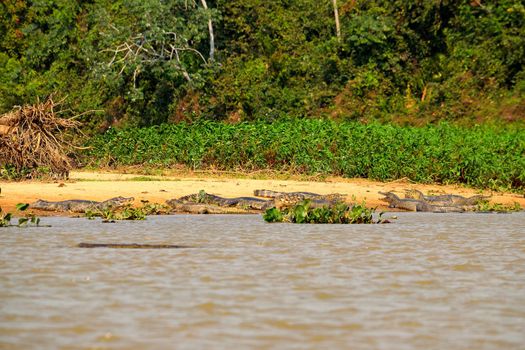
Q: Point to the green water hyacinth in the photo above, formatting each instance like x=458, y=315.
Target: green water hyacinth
x=482, y=156
x=5, y=218
x=340, y=213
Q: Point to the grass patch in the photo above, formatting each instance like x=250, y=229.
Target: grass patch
x=145, y=178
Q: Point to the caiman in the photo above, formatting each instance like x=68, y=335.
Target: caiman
x=289, y=199
x=446, y=199
x=411, y=204
x=81, y=205
x=238, y=202
x=196, y=208
x=274, y=194
x=132, y=246
x=205, y=203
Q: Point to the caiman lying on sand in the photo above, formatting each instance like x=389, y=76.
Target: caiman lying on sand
x=446, y=199
x=288, y=199
x=274, y=194
x=238, y=202
x=299, y=195
x=81, y=205
x=205, y=203
x=411, y=204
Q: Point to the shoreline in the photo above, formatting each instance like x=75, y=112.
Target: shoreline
x=102, y=185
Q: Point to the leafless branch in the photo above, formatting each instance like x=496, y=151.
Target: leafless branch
x=139, y=48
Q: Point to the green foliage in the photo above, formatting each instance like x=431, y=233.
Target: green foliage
x=413, y=62
x=76, y=48
x=5, y=218
x=22, y=206
x=10, y=172
x=482, y=156
x=273, y=215
x=154, y=208
x=110, y=215
x=340, y=213
x=486, y=206
x=128, y=212
x=33, y=220
x=201, y=196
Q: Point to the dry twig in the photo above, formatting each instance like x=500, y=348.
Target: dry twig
x=32, y=137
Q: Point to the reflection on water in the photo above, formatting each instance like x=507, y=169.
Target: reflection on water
x=426, y=281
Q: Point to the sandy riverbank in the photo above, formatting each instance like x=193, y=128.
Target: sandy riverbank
x=157, y=189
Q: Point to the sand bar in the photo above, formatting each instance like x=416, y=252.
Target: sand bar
x=157, y=189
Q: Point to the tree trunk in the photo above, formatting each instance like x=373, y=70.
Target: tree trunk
x=336, y=15
x=210, y=29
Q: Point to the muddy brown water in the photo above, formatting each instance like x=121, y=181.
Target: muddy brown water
x=428, y=281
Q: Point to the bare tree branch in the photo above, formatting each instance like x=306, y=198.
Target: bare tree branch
x=139, y=49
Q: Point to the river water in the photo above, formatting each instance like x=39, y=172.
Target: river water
x=427, y=281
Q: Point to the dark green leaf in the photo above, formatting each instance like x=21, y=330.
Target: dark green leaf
x=22, y=206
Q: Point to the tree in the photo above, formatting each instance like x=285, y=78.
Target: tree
x=336, y=15
x=153, y=53
x=210, y=29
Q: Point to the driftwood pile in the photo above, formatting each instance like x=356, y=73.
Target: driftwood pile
x=32, y=138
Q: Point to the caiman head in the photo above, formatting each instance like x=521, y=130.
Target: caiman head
x=39, y=204
x=389, y=196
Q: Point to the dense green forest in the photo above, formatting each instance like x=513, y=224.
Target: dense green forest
x=147, y=62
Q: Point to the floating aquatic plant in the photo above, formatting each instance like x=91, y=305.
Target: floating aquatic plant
x=486, y=206
x=31, y=219
x=128, y=212
x=341, y=213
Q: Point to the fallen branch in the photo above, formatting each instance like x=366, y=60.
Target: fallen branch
x=32, y=137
